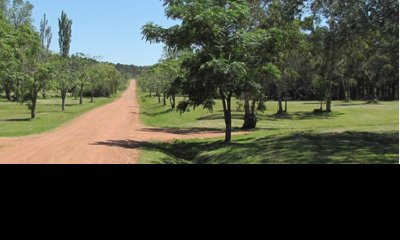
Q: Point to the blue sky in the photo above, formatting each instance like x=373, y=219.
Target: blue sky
x=106, y=28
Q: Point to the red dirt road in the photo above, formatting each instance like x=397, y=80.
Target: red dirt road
x=110, y=134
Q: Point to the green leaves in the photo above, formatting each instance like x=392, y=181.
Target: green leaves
x=272, y=70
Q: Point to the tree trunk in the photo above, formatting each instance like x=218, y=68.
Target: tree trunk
x=250, y=120
x=173, y=101
x=164, y=99
x=44, y=93
x=81, y=95
x=151, y=94
x=329, y=94
x=280, y=106
x=328, y=102
x=33, y=107
x=159, y=97
x=8, y=94
x=226, y=102
x=63, y=96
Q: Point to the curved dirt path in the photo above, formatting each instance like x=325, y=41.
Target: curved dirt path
x=110, y=134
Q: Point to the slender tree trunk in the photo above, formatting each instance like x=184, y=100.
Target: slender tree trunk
x=329, y=102
x=8, y=94
x=164, y=99
x=280, y=106
x=44, y=92
x=81, y=95
x=250, y=120
x=226, y=102
x=33, y=107
x=151, y=94
x=173, y=101
x=63, y=96
x=159, y=97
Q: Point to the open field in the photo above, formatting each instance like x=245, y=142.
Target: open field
x=354, y=133
x=15, y=118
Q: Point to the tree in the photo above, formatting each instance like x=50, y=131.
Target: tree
x=3, y=8
x=19, y=13
x=211, y=29
x=259, y=49
x=45, y=40
x=67, y=66
x=66, y=76
x=64, y=34
x=45, y=33
x=8, y=58
x=33, y=70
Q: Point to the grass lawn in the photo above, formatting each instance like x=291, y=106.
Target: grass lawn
x=15, y=118
x=354, y=133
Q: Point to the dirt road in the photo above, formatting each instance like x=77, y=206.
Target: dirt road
x=107, y=135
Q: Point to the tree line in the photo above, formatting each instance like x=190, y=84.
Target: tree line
x=257, y=50
x=29, y=70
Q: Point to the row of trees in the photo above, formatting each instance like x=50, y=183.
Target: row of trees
x=281, y=49
x=28, y=68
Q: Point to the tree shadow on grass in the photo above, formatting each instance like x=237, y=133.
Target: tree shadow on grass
x=220, y=117
x=189, y=131
x=301, y=116
x=66, y=105
x=157, y=113
x=16, y=120
x=297, y=148
x=355, y=104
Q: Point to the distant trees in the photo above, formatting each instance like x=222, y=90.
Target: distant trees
x=278, y=49
x=161, y=80
x=45, y=34
x=28, y=67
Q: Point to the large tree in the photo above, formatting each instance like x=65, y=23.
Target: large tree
x=211, y=29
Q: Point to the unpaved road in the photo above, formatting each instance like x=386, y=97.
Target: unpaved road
x=110, y=134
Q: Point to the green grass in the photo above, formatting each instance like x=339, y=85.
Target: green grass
x=15, y=118
x=354, y=133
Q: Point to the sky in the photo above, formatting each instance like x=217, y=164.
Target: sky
x=110, y=29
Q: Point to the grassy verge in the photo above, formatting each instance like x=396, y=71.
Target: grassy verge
x=15, y=118
x=354, y=133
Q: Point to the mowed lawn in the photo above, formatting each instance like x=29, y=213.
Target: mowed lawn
x=15, y=118
x=355, y=132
